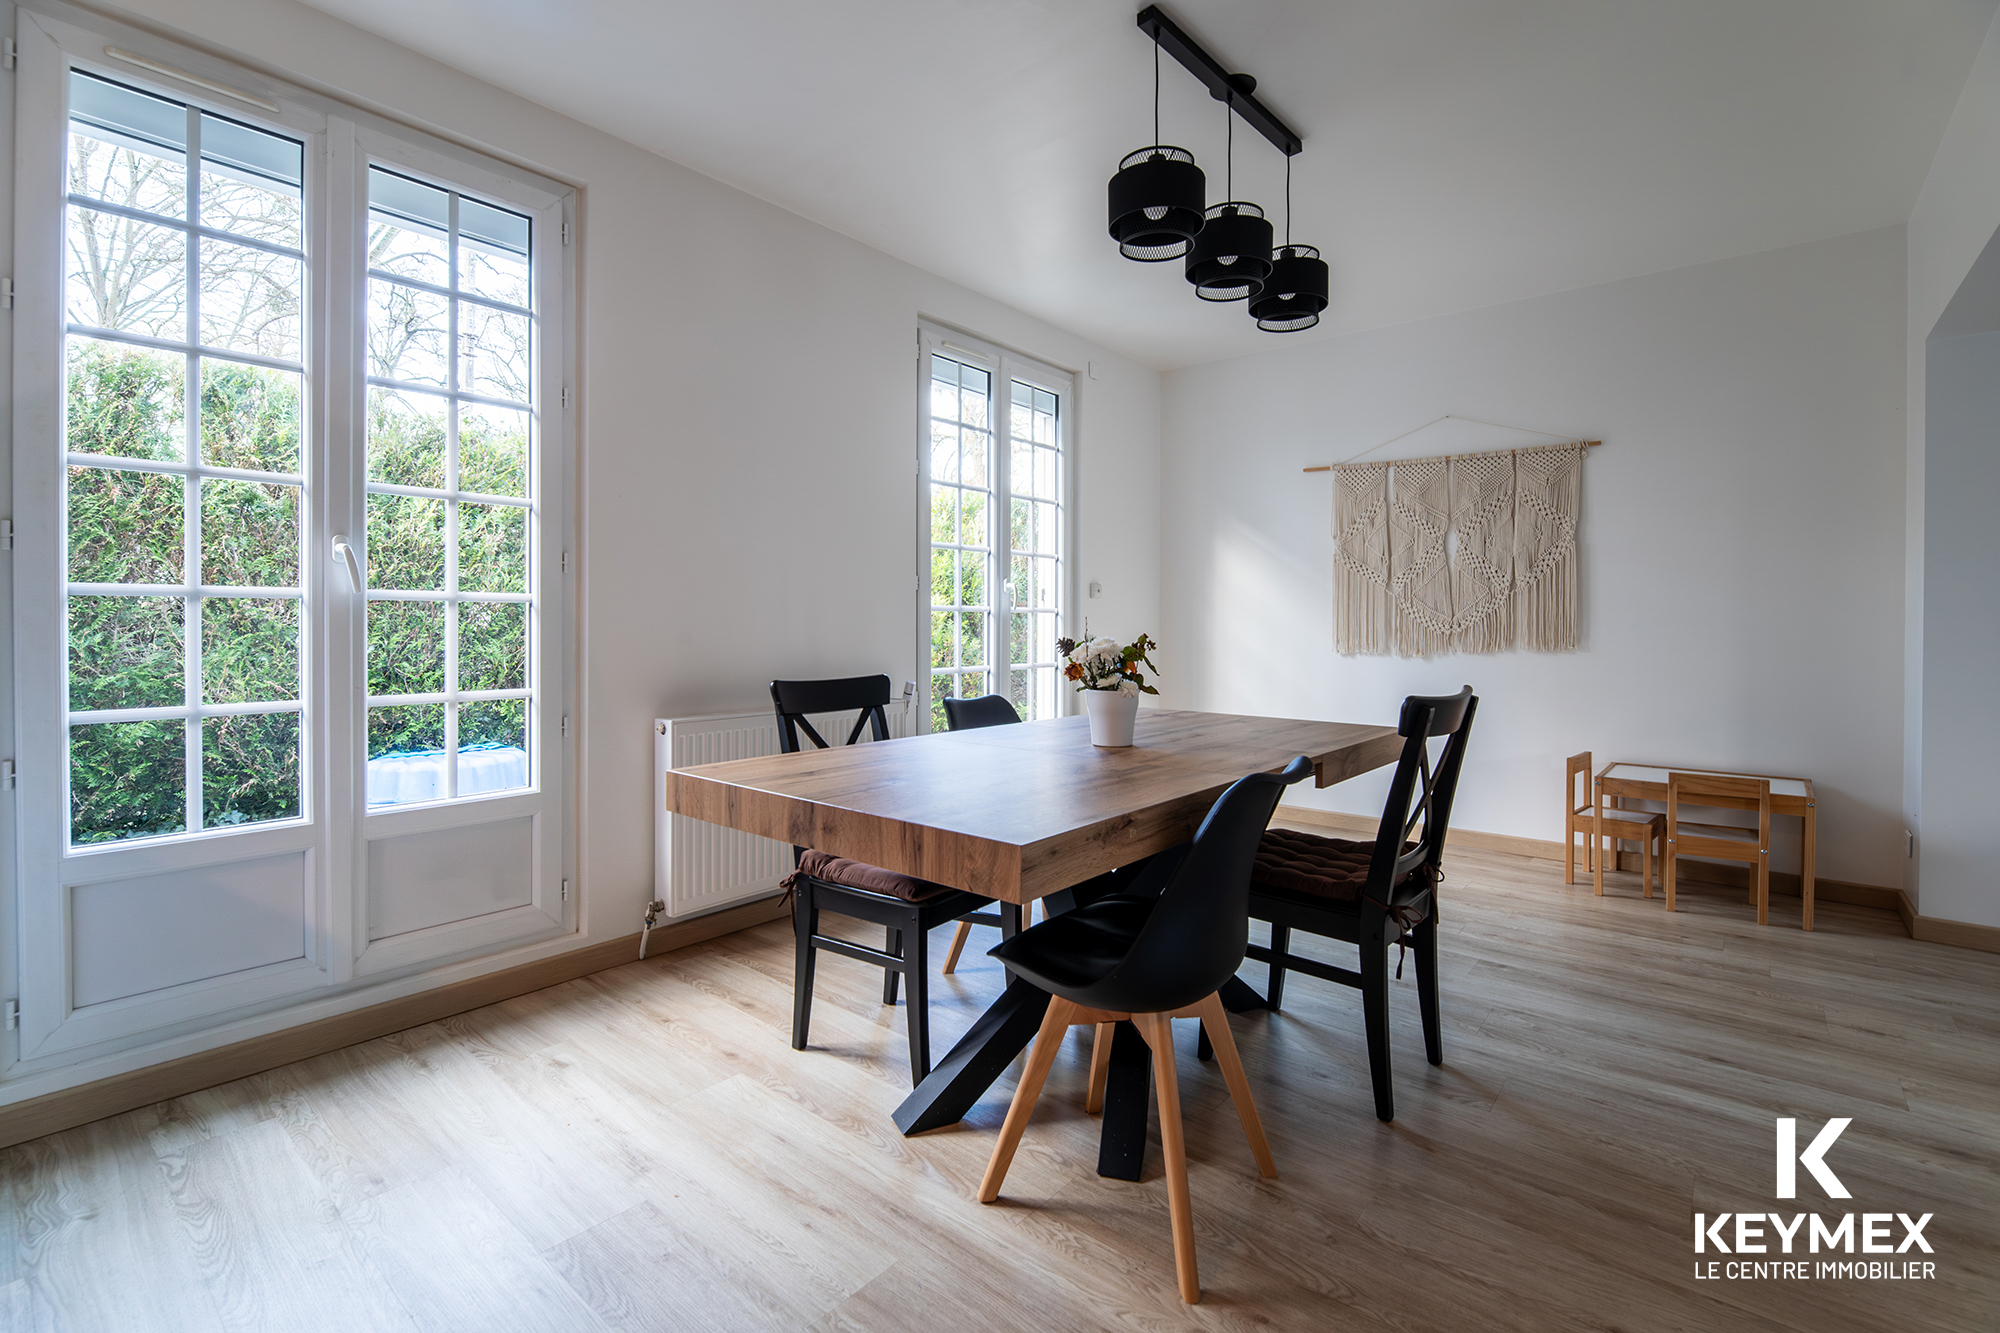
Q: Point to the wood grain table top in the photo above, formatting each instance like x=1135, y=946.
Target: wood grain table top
x=1016, y=812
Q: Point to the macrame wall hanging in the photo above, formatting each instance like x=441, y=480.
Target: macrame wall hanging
x=1461, y=553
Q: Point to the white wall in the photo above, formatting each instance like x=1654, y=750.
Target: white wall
x=748, y=431
x=1741, y=532
x=1955, y=221
x=1961, y=618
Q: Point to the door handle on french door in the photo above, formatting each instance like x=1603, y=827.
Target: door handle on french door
x=353, y=561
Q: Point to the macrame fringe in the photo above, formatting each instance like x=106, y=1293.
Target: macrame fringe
x=1548, y=490
x=1361, y=560
x=1548, y=610
x=1482, y=566
x=1420, y=570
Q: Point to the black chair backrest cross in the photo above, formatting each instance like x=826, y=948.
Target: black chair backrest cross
x=795, y=698
x=1419, y=794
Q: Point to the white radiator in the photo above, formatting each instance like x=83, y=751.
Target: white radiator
x=700, y=867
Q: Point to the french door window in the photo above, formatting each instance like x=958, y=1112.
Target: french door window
x=184, y=391
x=290, y=476
x=992, y=477
x=450, y=411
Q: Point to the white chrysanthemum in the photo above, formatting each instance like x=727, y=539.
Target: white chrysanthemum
x=1127, y=687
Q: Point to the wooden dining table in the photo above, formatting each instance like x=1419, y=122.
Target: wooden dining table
x=1020, y=813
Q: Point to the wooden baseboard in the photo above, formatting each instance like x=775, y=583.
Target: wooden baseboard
x=64, y=1109
x=1693, y=871
x=1937, y=930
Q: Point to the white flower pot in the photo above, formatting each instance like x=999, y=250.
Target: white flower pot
x=1111, y=716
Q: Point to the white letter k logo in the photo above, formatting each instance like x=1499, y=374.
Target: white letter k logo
x=1812, y=1158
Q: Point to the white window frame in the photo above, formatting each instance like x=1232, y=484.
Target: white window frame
x=333, y=834
x=1006, y=367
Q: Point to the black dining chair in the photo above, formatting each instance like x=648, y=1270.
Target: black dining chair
x=908, y=908
x=1373, y=894
x=988, y=710
x=1132, y=957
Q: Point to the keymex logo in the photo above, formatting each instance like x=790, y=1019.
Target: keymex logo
x=1812, y=1159
x=1809, y=1234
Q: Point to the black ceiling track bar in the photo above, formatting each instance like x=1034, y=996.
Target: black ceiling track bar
x=1235, y=89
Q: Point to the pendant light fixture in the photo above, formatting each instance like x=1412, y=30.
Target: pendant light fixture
x=1296, y=290
x=1157, y=195
x=1231, y=255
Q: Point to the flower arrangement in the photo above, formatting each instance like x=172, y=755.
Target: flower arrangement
x=1106, y=664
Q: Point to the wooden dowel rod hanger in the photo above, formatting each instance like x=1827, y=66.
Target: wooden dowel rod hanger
x=1588, y=444
x=1238, y=90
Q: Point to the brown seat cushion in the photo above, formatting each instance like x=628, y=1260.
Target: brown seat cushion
x=1309, y=865
x=860, y=875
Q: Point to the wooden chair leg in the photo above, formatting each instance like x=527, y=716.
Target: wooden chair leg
x=1667, y=875
x=1646, y=865
x=1764, y=888
x=957, y=944
x=1215, y=1021
x=1055, y=1026
x=1808, y=849
x=1597, y=842
x=1158, y=1030
x=1100, y=1065
x=1569, y=853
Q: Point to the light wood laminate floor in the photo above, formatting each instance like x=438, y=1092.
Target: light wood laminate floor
x=641, y=1150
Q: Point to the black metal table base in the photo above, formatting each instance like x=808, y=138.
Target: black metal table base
x=954, y=1084
x=1121, y=1141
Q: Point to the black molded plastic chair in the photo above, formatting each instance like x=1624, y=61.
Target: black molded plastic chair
x=1373, y=894
x=1150, y=961
x=988, y=710
x=908, y=908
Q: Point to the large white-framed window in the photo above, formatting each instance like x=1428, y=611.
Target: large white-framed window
x=993, y=496
x=291, y=463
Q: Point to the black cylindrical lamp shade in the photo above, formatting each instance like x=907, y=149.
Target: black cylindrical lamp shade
x=1231, y=256
x=1294, y=293
x=1156, y=203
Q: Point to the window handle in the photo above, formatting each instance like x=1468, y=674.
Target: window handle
x=353, y=561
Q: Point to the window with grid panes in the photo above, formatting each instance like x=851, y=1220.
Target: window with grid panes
x=450, y=402
x=184, y=397
x=961, y=504
x=1035, y=524
x=997, y=532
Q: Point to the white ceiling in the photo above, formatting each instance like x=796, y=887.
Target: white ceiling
x=1458, y=152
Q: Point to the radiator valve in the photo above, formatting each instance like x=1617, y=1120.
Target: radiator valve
x=653, y=910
